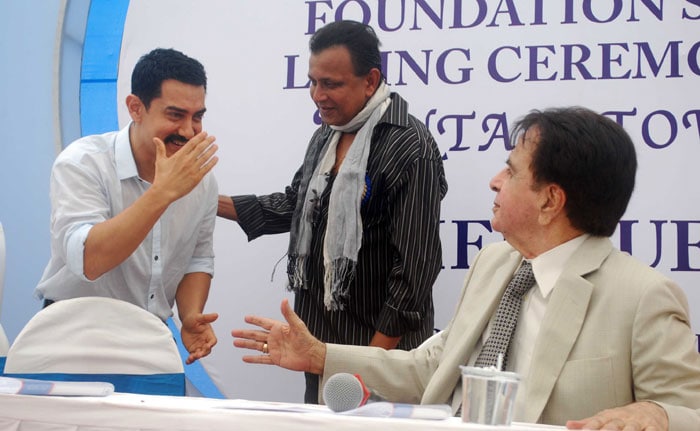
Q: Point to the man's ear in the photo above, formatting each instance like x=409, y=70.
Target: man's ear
x=373, y=79
x=135, y=107
x=553, y=199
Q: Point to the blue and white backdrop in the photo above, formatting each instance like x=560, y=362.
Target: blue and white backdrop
x=468, y=69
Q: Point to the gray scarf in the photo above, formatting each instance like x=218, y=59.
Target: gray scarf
x=344, y=227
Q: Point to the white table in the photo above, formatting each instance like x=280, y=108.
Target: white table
x=144, y=412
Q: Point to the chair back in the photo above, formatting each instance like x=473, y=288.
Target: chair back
x=102, y=339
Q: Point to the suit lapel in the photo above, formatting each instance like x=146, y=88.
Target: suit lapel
x=562, y=323
x=558, y=333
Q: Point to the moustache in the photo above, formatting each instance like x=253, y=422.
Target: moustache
x=176, y=139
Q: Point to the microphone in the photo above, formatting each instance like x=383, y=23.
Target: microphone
x=345, y=391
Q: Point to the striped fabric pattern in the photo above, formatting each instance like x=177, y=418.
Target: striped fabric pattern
x=400, y=256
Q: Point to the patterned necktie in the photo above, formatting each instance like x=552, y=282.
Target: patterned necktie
x=506, y=318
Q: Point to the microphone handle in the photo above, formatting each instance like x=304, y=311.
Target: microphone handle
x=375, y=397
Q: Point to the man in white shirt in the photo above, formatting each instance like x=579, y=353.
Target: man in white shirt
x=133, y=211
x=602, y=340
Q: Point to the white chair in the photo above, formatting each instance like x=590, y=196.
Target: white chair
x=101, y=339
x=4, y=344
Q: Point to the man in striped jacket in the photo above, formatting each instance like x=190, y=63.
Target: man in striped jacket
x=363, y=210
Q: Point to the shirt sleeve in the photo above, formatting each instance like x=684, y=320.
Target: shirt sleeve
x=203, y=255
x=79, y=201
x=267, y=214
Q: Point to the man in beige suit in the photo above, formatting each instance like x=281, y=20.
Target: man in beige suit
x=602, y=341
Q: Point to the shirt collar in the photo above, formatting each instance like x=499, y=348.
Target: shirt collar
x=124, y=157
x=548, y=266
x=397, y=112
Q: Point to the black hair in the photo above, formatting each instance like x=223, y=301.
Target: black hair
x=160, y=65
x=590, y=157
x=359, y=39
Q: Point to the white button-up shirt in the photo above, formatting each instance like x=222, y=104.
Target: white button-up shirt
x=96, y=178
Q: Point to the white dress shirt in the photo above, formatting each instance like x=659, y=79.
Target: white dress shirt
x=96, y=178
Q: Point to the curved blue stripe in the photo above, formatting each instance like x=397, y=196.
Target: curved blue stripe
x=98, y=114
x=100, y=67
x=195, y=372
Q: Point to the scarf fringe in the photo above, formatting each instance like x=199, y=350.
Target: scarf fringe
x=296, y=266
x=338, y=276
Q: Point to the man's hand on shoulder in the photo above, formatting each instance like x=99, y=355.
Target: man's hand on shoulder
x=639, y=416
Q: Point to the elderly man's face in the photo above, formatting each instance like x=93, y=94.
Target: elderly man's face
x=338, y=94
x=516, y=207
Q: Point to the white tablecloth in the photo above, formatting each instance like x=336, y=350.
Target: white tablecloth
x=143, y=412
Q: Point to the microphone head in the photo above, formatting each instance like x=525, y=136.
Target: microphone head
x=343, y=391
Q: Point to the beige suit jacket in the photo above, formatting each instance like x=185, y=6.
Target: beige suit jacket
x=615, y=331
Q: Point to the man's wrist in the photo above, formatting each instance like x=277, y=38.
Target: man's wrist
x=318, y=358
